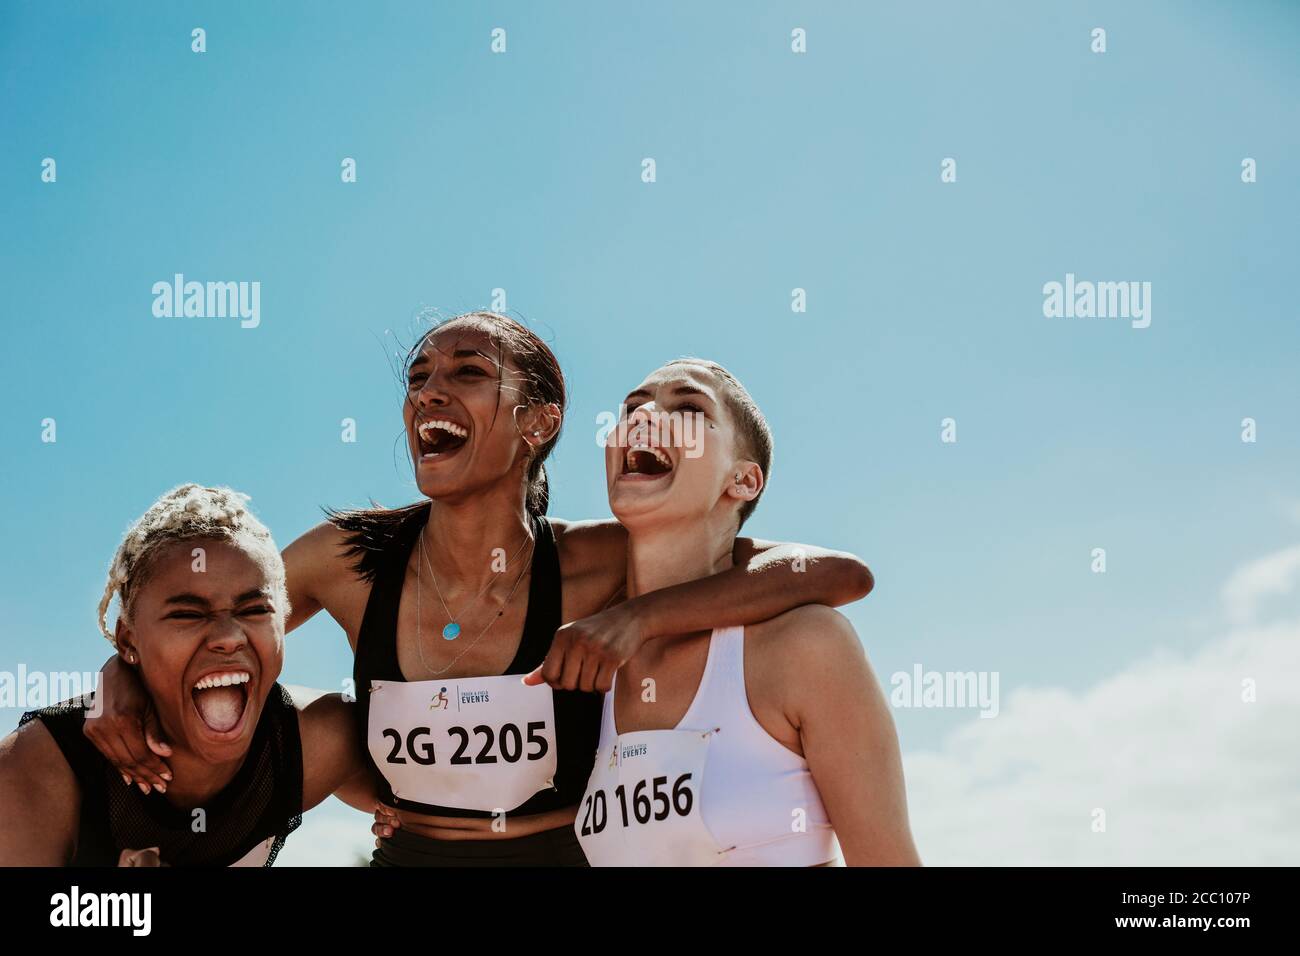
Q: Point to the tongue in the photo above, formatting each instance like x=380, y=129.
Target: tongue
x=220, y=707
x=645, y=463
x=445, y=442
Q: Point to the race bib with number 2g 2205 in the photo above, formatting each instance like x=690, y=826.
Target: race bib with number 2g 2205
x=480, y=743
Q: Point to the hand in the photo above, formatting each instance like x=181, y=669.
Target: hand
x=127, y=731
x=386, y=821
x=586, y=654
x=147, y=857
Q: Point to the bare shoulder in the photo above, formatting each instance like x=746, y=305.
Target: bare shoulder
x=319, y=576
x=39, y=799
x=318, y=547
x=808, y=632
x=804, y=622
x=593, y=560
x=316, y=563
x=591, y=540
x=31, y=750
x=809, y=660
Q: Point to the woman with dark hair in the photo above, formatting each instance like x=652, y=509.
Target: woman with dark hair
x=447, y=602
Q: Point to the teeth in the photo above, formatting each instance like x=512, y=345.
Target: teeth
x=223, y=679
x=450, y=427
x=659, y=455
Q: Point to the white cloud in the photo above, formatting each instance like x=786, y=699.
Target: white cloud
x=1185, y=770
x=1271, y=576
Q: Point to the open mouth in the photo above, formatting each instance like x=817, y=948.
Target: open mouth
x=440, y=438
x=643, y=461
x=221, y=698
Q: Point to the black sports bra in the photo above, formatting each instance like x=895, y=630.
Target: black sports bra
x=257, y=810
x=577, y=713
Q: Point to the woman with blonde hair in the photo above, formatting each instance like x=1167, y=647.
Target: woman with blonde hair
x=761, y=745
x=203, y=603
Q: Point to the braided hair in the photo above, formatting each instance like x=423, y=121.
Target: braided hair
x=185, y=513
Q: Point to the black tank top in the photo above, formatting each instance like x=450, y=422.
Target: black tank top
x=577, y=714
x=261, y=804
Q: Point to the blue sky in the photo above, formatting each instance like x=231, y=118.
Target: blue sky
x=774, y=171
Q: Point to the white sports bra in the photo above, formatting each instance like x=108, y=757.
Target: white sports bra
x=716, y=790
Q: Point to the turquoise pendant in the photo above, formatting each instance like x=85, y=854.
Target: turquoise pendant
x=451, y=631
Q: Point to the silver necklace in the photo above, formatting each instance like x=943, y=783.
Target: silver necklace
x=451, y=630
x=419, y=634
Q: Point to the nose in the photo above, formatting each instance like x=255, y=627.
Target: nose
x=655, y=421
x=226, y=635
x=433, y=391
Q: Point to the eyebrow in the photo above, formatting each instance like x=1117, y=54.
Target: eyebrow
x=188, y=598
x=459, y=353
x=679, y=390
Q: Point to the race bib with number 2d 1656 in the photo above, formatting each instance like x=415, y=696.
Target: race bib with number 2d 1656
x=642, y=805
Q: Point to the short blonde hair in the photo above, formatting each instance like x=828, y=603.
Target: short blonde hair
x=186, y=513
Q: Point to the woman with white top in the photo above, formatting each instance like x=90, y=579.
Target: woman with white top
x=762, y=745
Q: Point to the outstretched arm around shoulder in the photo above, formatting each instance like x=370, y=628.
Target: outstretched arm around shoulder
x=766, y=579
x=331, y=755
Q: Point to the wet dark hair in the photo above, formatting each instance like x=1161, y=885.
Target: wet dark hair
x=371, y=530
x=753, y=436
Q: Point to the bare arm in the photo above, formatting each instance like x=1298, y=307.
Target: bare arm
x=767, y=579
x=848, y=739
x=40, y=802
x=309, y=563
x=331, y=755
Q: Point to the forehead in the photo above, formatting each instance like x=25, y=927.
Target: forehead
x=673, y=376
x=459, y=341
x=228, y=566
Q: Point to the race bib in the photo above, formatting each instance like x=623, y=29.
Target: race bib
x=477, y=743
x=642, y=805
